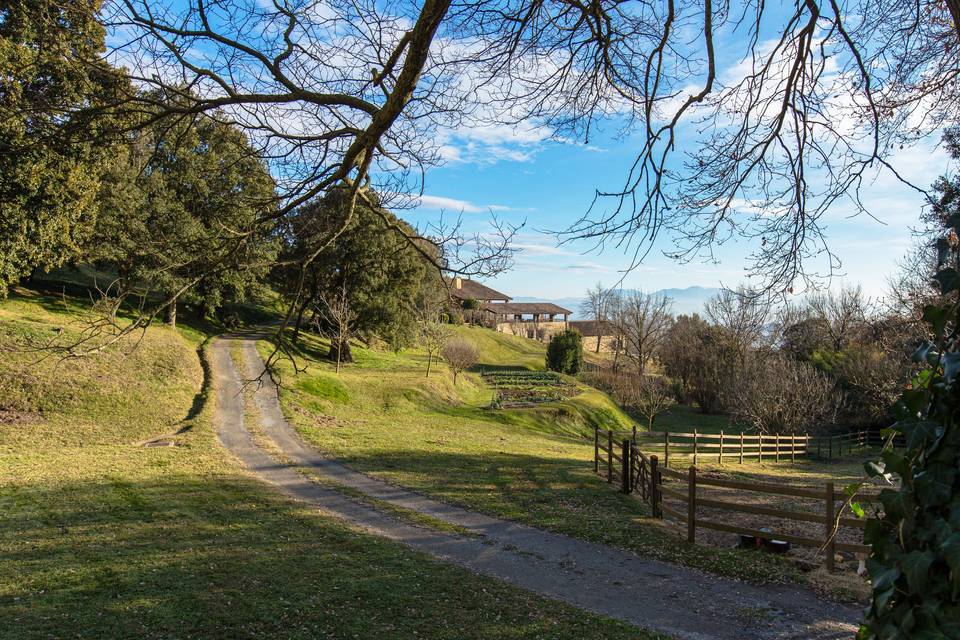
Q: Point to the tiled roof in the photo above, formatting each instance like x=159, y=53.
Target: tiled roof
x=510, y=308
x=475, y=290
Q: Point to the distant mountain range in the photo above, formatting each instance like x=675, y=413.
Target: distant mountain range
x=688, y=300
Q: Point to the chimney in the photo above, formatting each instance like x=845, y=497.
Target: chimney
x=458, y=283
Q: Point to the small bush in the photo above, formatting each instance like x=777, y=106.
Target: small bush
x=460, y=355
x=565, y=352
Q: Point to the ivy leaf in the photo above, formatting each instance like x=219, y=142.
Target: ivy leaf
x=896, y=504
x=951, y=366
x=857, y=509
x=951, y=552
x=882, y=597
x=948, y=280
x=919, y=433
x=937, y=317
x=875, y=468
x=914, y=401
x=893, y=462
x=882, y=576
x=916, y=568
x=934, y=485
x=920, y=355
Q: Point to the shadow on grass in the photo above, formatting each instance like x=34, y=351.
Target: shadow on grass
x=221, y=558
x=562, y=495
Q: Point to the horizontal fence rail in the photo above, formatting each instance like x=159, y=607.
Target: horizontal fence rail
x=680, y=494
x=739, y=446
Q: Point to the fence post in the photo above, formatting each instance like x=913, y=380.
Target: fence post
x=596, y=449
x=760, y=448
x=609, y=456
x=830, y=444
x=776, y=447
x=720, y=455
x=831, y=538
x=793, y=447
x=741, y=447
x=625, y=475
x=666, y=449
x=695, y=440
x=655, y=488
x=692, y=505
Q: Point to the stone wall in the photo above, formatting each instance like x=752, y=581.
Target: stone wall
x=607, y=344
x=541, y=331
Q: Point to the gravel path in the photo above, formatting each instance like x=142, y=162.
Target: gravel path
x=674, y=600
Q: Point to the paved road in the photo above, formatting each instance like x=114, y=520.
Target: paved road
x=674, y=600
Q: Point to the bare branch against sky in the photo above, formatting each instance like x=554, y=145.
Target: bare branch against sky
x=752, y=119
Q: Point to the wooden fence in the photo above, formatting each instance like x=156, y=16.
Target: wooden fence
x=678, y=496
x=739, y=446
x=836, y=446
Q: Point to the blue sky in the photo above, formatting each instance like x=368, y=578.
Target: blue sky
x=521, y=175
x=550, y=185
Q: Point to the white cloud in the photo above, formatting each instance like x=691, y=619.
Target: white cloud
x=589, y=266
x=542, y=249
x=443, y=203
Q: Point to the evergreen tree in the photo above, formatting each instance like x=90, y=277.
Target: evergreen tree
x=182, y=210
x=565, y=352
x=50, y=68
x=381, y=273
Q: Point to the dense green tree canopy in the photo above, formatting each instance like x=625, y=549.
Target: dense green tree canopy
x=180, y=209
x=49, y=69
x=565, y=352
x=381, y=274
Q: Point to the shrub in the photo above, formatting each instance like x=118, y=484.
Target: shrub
x=460, y=355
x=776, y=394
x=565, y=352
x=914, y=563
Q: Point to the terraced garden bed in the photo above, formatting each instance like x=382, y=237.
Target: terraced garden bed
x=524, y=388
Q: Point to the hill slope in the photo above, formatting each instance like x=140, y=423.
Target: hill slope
x=106, y=538
x=382, y=416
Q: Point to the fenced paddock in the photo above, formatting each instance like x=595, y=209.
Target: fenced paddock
x=683, y=448
x=813, y=519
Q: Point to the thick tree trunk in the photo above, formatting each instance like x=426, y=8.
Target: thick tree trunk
x=299, y=322
x=340, y=352
x=171, y=314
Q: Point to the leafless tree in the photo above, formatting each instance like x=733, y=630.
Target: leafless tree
x=652, y=397
x=338, y=320
x=643, y=320
x=824, y=94
x=844, y=314
x=433, y=338
x=460, y=355
x=597, y=306
x=353, y=94
x=742, y=317
x=646, y=396
x=776, y=394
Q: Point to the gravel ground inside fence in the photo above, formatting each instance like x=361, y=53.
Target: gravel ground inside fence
x=811, y=476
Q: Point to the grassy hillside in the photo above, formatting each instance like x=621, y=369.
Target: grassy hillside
x=104, y=538
x=534, y=465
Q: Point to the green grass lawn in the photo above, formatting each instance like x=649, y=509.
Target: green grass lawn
x=103, y=538
x=382, y=416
